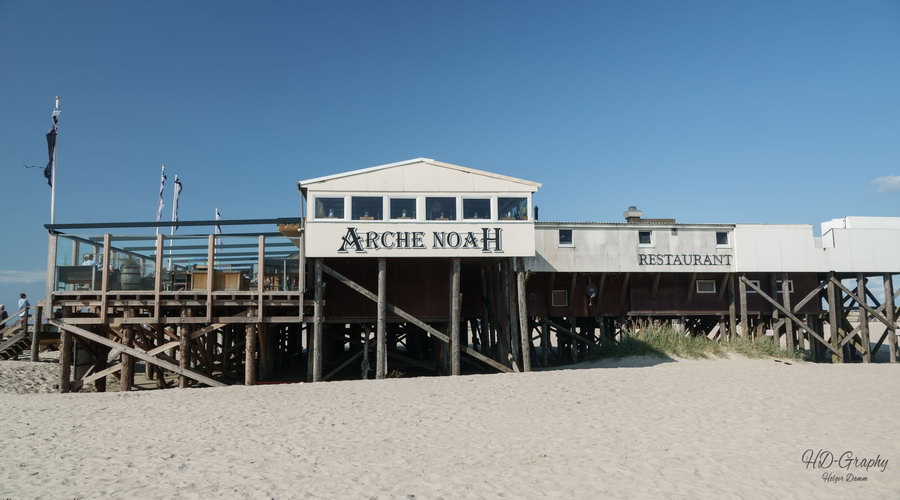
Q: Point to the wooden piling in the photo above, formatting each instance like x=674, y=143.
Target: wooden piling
x=126, y=377
x=380, y=348
x=742, y=297
x=36, y=332
x=833, y=325
x=250, y=349
x=524, y=330
x=786, y=301
x=863, y=319
x=317, y=323
x=454, y=316
x=889, y=314
x=65, y=360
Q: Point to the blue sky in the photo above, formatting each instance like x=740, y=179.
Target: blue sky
x=706, y=111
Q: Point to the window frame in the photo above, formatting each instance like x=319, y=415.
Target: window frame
x=390, y=208
x=697, y=286
x=490, y=207
x=454, y=205
x=727, y=243
x=343, y=200
x=755, y=282
x=372, y=219
x=650, y=234
x=559, y=243
x=527, y=208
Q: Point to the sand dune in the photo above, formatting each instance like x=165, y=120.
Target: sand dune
x=735, y=428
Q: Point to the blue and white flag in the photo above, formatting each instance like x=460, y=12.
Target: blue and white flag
x=218, y=217
x=175, y=202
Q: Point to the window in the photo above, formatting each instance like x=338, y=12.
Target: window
x=329, y=208
x=565, y=238
x=674, y=231
x=403, y=208
x=756, y=283
x=440, y=208
x=476, y=208
x=722, y=238
x=644, y=238
x=512, y=208
x=559, y=298
x=367, y=207
x=790, y=286
x=706, y=286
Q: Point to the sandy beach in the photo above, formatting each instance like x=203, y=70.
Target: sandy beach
x=634, y=428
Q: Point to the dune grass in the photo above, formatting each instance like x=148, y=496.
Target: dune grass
x=665, y=341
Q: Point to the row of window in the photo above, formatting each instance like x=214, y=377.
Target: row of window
x=436, y=208
x=560, y=298
x=645, y=238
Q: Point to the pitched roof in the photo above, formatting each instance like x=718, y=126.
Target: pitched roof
x=429, y=161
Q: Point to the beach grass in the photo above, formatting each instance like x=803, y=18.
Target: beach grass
x=665, y=341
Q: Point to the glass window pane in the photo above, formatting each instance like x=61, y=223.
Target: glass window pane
x=367, y=207
x=512, y=208
x=329, y=208
x=565, y=236
x=440, y=208
x=476, y=209
x=403, y=208
x=644, y=237
x=721, y=238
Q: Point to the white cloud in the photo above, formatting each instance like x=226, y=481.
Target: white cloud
x=13, y=276
x=888, y=183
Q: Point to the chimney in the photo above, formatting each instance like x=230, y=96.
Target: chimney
x=632, y=214
x=535, y=212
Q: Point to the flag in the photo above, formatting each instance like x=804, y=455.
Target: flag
x=162, y=188
x=51, y=144
x=175, y=203
x=218, y=217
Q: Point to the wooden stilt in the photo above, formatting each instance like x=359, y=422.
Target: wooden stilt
x=786, y=300
x=742, y=295
x=250, y=349
x=126, y=378
x=889, y=313
x=65, y=360
x=833, y=325
x=545, y=341
x=524, y=330
x=732, y=316
x=863, y=319
x=317, y=323
x=184, y=348
x=380, y=347
x=454, y=316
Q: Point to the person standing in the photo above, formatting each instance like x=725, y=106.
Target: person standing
x=23, y=302
x=3, y=316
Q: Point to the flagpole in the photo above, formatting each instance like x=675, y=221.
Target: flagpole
x=53, y=178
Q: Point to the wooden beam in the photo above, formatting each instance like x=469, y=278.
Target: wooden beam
x=624, y=291
x=412, y=319
x=732, y=316
x=343, y=365
x=833, y=325
x=157, y=279
x=787, y=313
x=51, y=272
x=862, y=303
x=250, y=348
x=454, y=316
x=655, y=288
x=524, y=330
x=380, y=345
x=126, y=380
x=692, y=288
x=210, y=273
x=571, y=334
x=136, y=352
x=65, y=360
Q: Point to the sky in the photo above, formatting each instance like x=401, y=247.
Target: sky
x=705, y=111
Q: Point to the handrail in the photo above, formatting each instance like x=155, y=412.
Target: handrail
x=16, y=315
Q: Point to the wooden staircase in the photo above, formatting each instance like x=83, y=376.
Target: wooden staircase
x=15, y=341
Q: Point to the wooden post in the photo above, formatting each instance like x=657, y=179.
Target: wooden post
x=524, y=331
x=184, y=347
x=380, y=347
x=126, y=377
x=317, y=323
x=262, y=334
x=545, y=341
x=864, y=318
x=65, y=360
x=890, y=316
x=104, y=280
x=454, y=316
x=51, y=273
x=250, y=351
x=157, y=280
x=210, y=274
x=36, y=332
x=732, y=316
x=786, y=301
x=776, y=315
x=742, y=294
x=833, y=325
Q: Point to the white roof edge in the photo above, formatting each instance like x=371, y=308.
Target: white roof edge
x=430, y=161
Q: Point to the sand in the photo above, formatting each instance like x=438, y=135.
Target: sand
x=25, y=377
x=635, y=428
